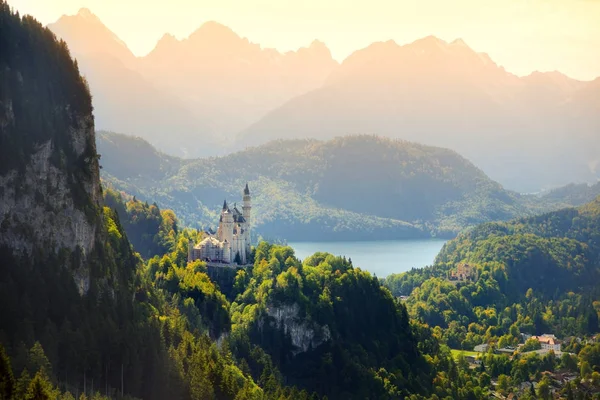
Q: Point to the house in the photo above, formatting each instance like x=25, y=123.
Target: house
x=472, y=360
x=548, y=342
x=481, y=348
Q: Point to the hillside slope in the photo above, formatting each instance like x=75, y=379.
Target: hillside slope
x=551, y=256
x=66, y=270
x=74, y=308
x=446, y=94
x=359, y=187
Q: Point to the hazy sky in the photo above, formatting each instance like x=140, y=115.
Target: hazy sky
x=521, y=35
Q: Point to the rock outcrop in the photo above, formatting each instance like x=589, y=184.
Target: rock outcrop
x=50, y=194
x=303, y=333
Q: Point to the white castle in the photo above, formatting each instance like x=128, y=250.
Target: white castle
x=231, y=244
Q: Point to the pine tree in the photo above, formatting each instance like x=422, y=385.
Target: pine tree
x=39, y=388
x=37, y=360
x=7, y=379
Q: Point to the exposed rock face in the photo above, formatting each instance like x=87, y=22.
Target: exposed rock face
x=37, y=207
x=50, y=195
x=304, y=335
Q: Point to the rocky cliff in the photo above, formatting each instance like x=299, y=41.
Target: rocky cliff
x=303, y=333
x=50, y=195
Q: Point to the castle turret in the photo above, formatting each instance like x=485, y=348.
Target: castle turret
x=226, y=251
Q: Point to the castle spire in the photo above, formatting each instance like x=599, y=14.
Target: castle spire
x=246, y=190
x=225, y=204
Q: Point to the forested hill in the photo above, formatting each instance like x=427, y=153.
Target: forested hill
x=66, y=272
x=354, y=187
x=574, y=194
x=82, y=315
x=553, y=259
x=74, y=308
x=531, y=276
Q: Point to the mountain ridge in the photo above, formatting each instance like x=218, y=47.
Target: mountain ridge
x=447, y=95
x=346, y=188
x=235, y=94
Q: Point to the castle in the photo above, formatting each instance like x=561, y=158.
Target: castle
x=231, y=244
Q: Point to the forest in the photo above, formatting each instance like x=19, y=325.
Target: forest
x=532, y=276
x=349, y=188
x=98, y=299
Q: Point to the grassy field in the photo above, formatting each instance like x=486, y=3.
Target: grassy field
x=455, y=353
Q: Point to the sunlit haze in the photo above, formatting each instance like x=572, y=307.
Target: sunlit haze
x=523, y=36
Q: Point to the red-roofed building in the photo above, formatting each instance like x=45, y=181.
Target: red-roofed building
x=548, y=342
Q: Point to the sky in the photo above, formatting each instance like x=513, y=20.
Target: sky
x=521, y=35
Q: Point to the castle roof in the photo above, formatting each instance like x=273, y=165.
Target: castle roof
x=237, y=215
x=246, y=190
x=209, y=241
x=225, y=205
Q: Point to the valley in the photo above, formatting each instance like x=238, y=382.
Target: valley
x=215, y=92
x=382, y=246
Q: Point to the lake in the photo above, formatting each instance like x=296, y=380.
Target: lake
x=381, y=257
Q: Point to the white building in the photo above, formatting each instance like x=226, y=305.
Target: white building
x=548, y=342
x=481, y=348
x=231, y=244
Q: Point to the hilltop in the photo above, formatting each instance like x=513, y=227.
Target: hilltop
x=352, y=188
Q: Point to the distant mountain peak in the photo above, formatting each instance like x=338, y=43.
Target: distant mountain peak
x=317, y=48
x=85, y=33
x=86, y=15
x=213, y=30
x=317, y=44
x=85, y=12
x=430, y=41
x=167, y=38
x=459, y=42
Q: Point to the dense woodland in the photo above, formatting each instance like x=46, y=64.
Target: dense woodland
x=533, y=276
x=359, y=187
x=351, y=188
x=151, y=325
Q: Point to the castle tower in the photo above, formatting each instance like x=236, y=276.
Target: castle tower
x=246, y=210
x=227, y=226
x=227, y=252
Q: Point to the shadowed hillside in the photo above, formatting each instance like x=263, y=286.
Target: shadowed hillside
x=355, y=187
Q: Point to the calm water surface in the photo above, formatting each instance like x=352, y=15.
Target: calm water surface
x=382, y=257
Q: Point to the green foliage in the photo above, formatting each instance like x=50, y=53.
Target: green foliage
x=359, y=187
x=347, y=348
x=530, y=345
x=39, y=388
x=150, y=230
x=7, y=379
x=532, y=276
x=44, y=98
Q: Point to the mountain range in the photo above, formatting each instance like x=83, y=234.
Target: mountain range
x=198, y=91
x=215, y=91
x=348, y=188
